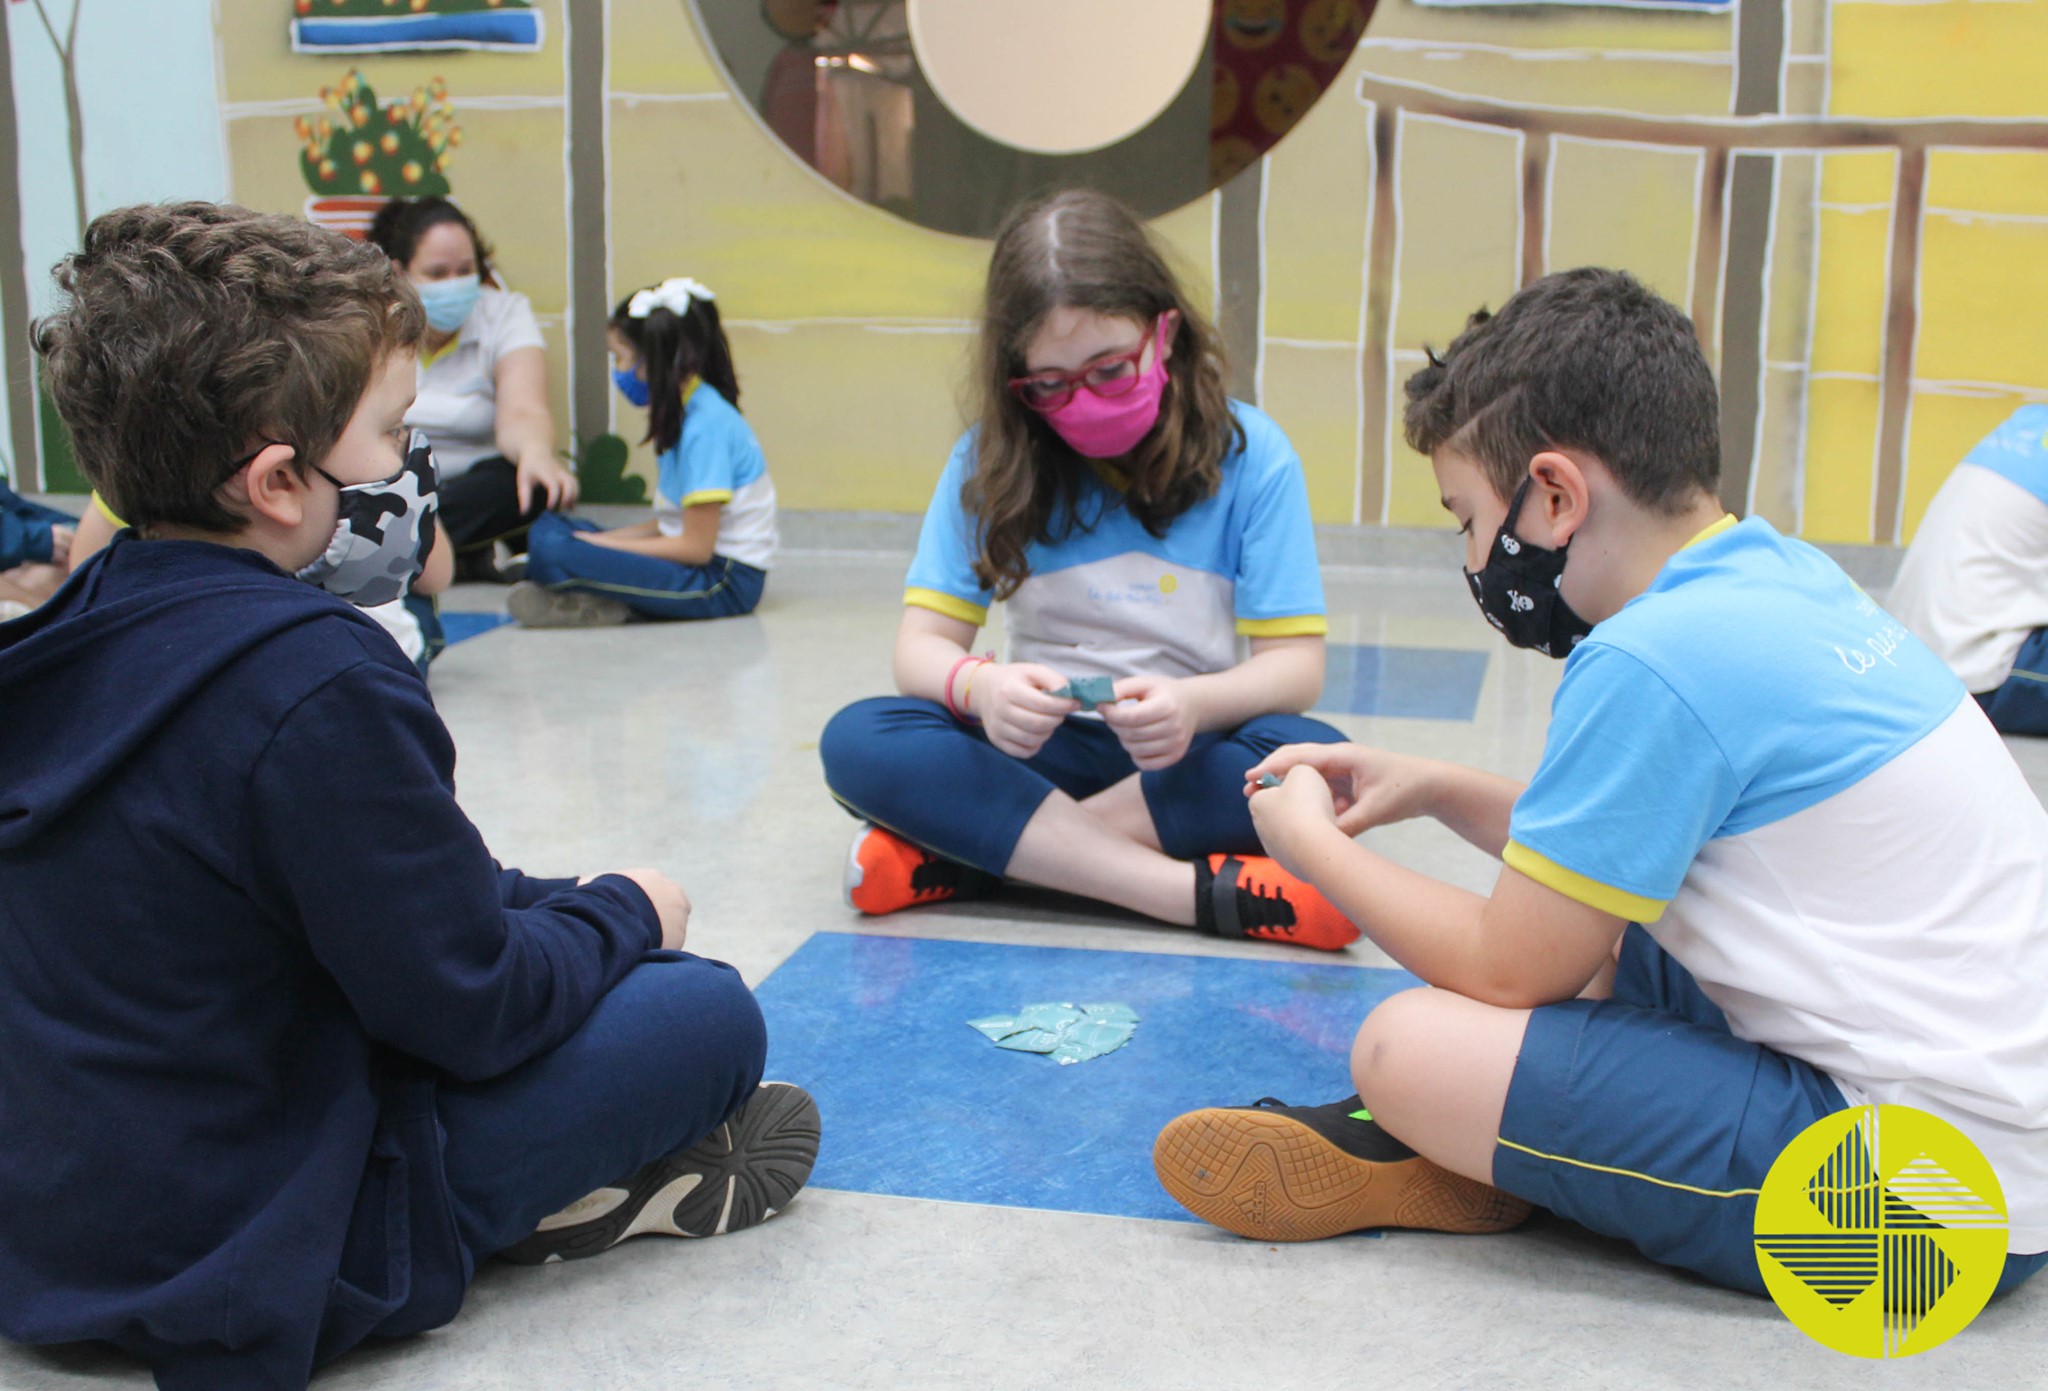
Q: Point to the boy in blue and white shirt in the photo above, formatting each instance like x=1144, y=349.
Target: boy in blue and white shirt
x=1974, y=583
x=1774, y=861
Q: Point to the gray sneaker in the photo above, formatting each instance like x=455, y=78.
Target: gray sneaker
x=537, y=606
x=742, y=1173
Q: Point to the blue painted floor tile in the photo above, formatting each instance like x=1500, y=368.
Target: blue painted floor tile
x=1429, y=683
x=917, y=1104
x=459, y=625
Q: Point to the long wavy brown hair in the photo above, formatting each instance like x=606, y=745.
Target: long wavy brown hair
x=1080, y=249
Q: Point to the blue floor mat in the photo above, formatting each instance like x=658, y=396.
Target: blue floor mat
x=458, y=625
x=919, y=1105
x=1427, y=683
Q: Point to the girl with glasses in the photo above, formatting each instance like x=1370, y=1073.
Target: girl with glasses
x=1150, y=541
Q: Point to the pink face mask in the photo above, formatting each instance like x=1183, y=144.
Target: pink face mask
x=1107, y=415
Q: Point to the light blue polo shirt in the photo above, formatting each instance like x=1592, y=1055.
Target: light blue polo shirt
x=1107, y=598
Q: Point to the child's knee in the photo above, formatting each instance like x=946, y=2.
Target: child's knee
x=1387, y=1036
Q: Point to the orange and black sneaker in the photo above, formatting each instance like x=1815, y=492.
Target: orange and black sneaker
x=1251, y=896
x=885, y=872
x=1276, y=1172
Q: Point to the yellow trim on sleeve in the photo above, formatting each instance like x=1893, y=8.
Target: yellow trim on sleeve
x=1302, y=625
x=949, y=604
x=1580, y=889
x=106, y=511
x=1727, y=520
x=704, y=495
x=1630, y=1173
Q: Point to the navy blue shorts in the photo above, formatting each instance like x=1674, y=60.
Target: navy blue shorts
x=1642, y=1117
x=2020, y=706
x=906, y=764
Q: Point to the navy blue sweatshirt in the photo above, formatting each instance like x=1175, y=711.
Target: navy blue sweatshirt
x=244, y=927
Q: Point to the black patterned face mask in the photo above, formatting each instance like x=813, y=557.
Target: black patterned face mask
x=382, y=532
x=1517, y=590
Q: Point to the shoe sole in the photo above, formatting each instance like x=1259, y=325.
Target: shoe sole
x=738, y=1176
x=856, y=873
x=1275, y=1179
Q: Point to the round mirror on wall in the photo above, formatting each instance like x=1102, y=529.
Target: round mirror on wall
x=946, y=112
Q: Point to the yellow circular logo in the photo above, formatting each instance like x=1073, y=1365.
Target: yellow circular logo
x=1881, y=1231
x=1168, y=583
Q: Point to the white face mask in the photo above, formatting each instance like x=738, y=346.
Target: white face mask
x=382, y=532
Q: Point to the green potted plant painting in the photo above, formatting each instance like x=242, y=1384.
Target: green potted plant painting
x=411, y=26
x=364, y=153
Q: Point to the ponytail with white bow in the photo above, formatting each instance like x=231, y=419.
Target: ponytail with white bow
x=675, y=332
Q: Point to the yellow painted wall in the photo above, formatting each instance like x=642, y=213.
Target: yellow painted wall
x=850, y=327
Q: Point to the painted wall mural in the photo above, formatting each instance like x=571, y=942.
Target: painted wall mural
x=1850, y=197
x=413, y=26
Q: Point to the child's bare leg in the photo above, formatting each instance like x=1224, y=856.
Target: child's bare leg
x=1066, y=846
x=1434, y=1067
x=1122, y=808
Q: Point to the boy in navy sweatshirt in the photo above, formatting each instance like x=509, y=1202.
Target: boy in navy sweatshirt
x=304, y=1054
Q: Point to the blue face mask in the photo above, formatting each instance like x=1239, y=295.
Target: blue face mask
x=631, y=387
x=448, y=302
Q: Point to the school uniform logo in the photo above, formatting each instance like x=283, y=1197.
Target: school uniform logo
x=1881, y=1231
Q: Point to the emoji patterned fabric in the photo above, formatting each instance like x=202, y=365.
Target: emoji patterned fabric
x=1273, y=59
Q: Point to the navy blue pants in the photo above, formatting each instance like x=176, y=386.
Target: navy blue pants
x=2020, y=706
x=663, y=1059
x=906, y=764
x=651, y=587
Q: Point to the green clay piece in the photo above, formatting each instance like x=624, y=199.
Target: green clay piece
x=1269, y=780
x=1361, y=1114
x=1090, y=690
x=1069, y=1033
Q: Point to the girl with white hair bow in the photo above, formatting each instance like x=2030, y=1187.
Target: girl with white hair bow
x=707, y=551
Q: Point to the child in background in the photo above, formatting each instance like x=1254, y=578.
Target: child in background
x=35, y=552
x=1974, y=584
x=285, y=1054
x=1773, y=849
x=707, y=551
x=1138, y=525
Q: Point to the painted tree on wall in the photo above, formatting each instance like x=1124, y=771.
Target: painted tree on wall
x=67, y=60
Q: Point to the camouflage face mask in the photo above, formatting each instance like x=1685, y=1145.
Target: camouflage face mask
x=382, y=533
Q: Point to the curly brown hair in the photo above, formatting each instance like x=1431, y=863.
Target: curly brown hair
x=194, y=333
x=1079, y=249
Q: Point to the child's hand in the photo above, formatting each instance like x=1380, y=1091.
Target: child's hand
x=1368, y=787
x=1152, y=720
x=671, y=904
x=1016, y=706
x=1289, y=815
x=60, y=545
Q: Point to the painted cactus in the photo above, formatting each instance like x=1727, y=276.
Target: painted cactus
x=364, y=147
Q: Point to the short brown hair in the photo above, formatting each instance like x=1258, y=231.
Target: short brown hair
x=1079, y=249
x=195, y=333
x=1582, y=359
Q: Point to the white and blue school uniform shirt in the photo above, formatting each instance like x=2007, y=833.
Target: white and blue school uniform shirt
x=1804, y=807
x=717, y=459
x=1108, y=598
x=1974, y=583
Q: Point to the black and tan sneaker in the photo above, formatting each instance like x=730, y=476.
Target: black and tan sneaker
x=885, y=872
x=1252, y=896
x=1276, y=1172
x=742, y=1173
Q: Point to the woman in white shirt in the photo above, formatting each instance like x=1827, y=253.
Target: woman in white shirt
x=483, y=388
